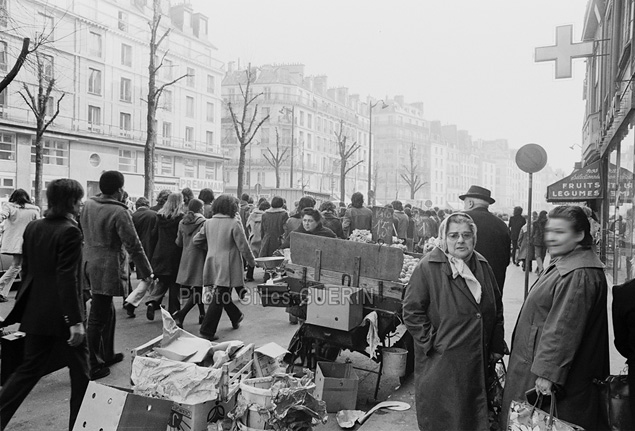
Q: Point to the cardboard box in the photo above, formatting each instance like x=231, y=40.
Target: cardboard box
x=196, y=417
x=267, y=359
x=334, y=306
x=107, y=408
x=336, y=384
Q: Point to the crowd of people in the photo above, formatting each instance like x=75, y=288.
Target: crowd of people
x=199, y=251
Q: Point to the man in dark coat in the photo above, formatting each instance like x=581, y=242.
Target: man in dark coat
x=624, y=328
x=49, y=305
x=494, y=241
x=161, y=198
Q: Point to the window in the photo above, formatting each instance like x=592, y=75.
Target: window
x=125, y=124
x=265, y=112
x=189, y=106
x=309, y=141
x=191, y=77
x=209, y=141
x=210, y=112
x=94, y=117
x=264, y=136
x=125, y=92
x=4, y=13
x=3, y=102
x=7, y=146
x=189, y=135
x=167, y=68
x=211, y=84
x=94, y=81
x=122, y=18
x=189, y=168
x=267, y=91
x=166, y=165
x=47, y=65
x=54, y=152
x=3, y=55
x=301, y=118
x=210, y=171
x=50, y=106
x=126, y=55
x=94, y=44
x=127, y=161
x=167, y=100
x=309, y=121
x=167, y=133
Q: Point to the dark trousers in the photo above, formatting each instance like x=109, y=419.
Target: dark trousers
x=221, y=299
x=38, y=349
x=166, y=284
x=514, y=249
x=101, y=330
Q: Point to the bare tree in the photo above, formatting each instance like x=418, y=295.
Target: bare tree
x=244, y=127
x=38, y=104
x=376, y=171
x=411, y=175
x=17, y=66
x=278, y=159
x=154, y=94
x=345, y=153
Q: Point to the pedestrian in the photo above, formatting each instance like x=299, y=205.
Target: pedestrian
x=254, y=233
x=227, y=246
x=244, y=209
x=495, y=243
x=49, y=306
x=516, y=222
x=453, y=309
x=624, y=328
x=190, y=274
x=166, y=256
x=400, y=221
x=161, y=198
x=207, y=196
x=330, y=219
x=108, y=234
x=272, y=227
x=357, y=216
x=188, y=195
x=525, y=249
x=560, y=342
x=538, y=240
x=145, y=223
x=295, y=220
x=16, y=215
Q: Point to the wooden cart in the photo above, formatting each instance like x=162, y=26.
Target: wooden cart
x=333, y=261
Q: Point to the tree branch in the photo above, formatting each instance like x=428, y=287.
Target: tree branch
x=56, y=112
x=353, y=167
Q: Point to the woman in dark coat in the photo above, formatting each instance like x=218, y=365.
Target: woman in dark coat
x=561, y=337
x=454, y=312
x=272, y=227
x=538, y=240
x=167, y=256
x=330, y=220
x=516, y=223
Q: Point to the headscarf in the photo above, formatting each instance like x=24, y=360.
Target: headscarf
x=457, y=265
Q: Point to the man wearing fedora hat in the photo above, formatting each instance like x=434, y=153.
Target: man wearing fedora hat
x=493, y=240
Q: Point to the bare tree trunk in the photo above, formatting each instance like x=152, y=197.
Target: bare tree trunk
x=241, y=170
x=17, y=66
x=37, y=195
x=343, y=181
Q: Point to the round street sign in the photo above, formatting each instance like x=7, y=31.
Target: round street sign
x=531, y=158
x=428, y=203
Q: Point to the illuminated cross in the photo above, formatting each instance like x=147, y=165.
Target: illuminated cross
x=564, y=51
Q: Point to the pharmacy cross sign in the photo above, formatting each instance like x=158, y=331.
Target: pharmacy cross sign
x=564, y=51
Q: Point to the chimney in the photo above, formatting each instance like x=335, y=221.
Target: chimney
x=319, y=84
x=231, y=65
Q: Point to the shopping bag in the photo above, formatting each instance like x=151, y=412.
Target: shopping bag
x=615, y=403
x=495, y=385
x=524, y=416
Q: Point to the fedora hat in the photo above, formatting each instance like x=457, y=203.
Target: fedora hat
x=478, y=192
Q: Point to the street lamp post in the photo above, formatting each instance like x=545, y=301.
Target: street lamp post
x=371, y=201
x=292, y=111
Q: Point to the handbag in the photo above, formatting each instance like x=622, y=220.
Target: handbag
x=495, y=386
x=524, y=416
x=615, y=403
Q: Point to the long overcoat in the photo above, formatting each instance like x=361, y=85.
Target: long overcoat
x=225, y=239
x=454, y=336
x=193, y=257
x=254, y=231
x=108, y=235
x=166, y=256
x=16, y=218
x=272, y=228
x=562, y=335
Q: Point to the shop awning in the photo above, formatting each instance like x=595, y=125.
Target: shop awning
x=583, y=184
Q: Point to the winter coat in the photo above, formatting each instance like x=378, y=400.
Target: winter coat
x=332, y=222
x=145, y=223
x=401, y=220
x=538, y=233
x=226, y=244
x=207, y=211
x=108, y=234
x=15, y=220
x=524, y=246
x=454, y=336
x=293, y=223
x=193, y=257
x=318, y=231
x=167, y=255
x=357, y=218
x=516, y=223
x=272, y=228
x=244, y=211
x=624, y=328
x=493, y=242
x=562, y=335
x=254, y=231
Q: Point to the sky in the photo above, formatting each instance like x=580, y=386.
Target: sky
x=470, y=62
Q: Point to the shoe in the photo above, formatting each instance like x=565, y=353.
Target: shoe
x=3, y=298
x=243, y=292
x=150, y=311
x=130, y=310
x=236, y=324
x=99, y=373
x=117, y=357
x=200, y=319
x=209, y=337
x=293, y=320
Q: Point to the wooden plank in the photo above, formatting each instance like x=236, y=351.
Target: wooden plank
x=377, y=261
x=383, y=227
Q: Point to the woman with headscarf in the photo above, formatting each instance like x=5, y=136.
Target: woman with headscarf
x=560, y=343
x=453, y=310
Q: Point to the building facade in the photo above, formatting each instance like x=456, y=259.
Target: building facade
x=98, y=53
